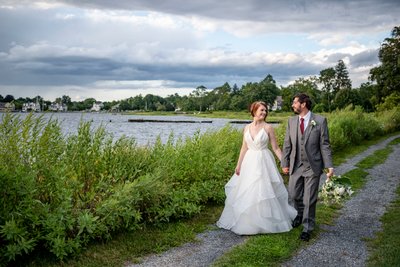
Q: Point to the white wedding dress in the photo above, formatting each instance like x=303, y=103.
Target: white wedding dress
x=257, y=200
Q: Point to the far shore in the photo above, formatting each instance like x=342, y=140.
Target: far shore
x=238, y=117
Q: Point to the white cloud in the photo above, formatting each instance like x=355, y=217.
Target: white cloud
x=110, y=49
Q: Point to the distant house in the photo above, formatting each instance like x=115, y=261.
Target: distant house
x=97, y=106
x=7, y=107
x=58, y=107
x=277, y=103
x=115, y=108
x=31, y=106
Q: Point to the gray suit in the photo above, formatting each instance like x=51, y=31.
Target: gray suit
x=306, y=155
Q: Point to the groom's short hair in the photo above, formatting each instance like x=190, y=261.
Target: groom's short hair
x=303, y=98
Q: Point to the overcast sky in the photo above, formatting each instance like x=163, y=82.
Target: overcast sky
x=112, y=50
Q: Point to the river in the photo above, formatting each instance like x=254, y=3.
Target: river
x=143, y=132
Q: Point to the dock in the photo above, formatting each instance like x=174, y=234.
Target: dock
x=167, y=121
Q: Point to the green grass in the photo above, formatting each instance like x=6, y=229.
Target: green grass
x=129, y=248
x=378, y=157
x=385, y=248
x=260, y=250
x=341, y=156
x=97, y=165
x=271, y=250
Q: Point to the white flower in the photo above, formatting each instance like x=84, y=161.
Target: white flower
x=313, y=122
x=349, y=191
x=340, y=191
x=335, y=190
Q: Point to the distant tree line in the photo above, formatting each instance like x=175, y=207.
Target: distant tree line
x=331, y=90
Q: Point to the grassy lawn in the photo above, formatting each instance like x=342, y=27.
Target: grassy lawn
x=260, y=250
x=128, y=248
x=272, y=250
x=385, y=247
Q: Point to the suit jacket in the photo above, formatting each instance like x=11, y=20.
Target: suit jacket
x=317, y=145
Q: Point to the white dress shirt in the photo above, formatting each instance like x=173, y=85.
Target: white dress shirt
x=306, y=119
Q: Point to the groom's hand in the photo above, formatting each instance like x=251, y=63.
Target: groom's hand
x=329, y=174
x=285, y=170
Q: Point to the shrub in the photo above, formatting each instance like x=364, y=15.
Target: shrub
x=390, y=120
x=58, y=193
x=351, y=127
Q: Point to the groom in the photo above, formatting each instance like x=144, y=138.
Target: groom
x=306, y=152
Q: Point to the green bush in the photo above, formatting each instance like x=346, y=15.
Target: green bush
x=390, y=120
x=351, y=127
x=58, y=193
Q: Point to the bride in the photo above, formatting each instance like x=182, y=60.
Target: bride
x=256, y=197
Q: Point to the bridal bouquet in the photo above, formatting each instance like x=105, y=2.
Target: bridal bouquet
x=335, y=190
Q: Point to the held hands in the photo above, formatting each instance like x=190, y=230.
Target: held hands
x=329, y=173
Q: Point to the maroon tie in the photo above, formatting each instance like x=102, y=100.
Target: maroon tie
x=302, y=125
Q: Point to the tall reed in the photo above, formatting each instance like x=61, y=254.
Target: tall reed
x=59, y=192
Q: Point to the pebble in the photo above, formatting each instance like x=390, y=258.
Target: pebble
x=341, y=244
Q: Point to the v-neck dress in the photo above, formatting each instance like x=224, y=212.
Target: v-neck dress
x=257, y=199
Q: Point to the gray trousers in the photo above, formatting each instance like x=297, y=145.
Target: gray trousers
x=303, y=194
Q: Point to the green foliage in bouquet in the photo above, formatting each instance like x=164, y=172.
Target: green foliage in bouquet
x=335, y=190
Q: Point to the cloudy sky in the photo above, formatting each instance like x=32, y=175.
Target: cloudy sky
x=112, y=50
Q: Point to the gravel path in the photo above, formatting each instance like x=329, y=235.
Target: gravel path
x=339, y=245
x=343, y=243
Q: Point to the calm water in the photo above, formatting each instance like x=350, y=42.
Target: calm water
x=144, y=132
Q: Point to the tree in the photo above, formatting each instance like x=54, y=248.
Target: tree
x=367, y=93
x=187, y=103
x=342, y=80
x=66, y=100
x=88, y=103
x=387, y=75
x=152, y=102
x=173, y=101
x=346, y=97
x=220, y=97
x=308, y=86
x=235, y=90
x=237, y=103
x=199, y=94
x=327, y=79
x=124, y=105
x=266, y=91
x=8, y=98
x=391, y=101
x=137, y=102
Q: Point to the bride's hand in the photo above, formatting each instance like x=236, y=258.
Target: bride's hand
x=237, y=170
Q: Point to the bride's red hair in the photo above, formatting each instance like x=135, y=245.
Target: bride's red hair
x=255, y=105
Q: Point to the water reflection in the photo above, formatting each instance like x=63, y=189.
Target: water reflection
x=143, y=132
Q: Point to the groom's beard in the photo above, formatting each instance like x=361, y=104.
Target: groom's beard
x=297, y=112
